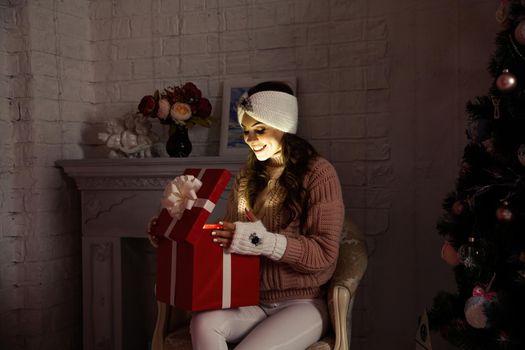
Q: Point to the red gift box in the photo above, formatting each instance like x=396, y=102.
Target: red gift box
x=194, y=273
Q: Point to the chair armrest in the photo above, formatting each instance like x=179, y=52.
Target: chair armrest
x=353, y=258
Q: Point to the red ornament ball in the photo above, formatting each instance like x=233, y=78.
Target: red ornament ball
x=458, y=207
x=506, y=81
x=504, y=214
x=449, y=254
x=519, y=33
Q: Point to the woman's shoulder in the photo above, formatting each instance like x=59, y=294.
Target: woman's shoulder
x=321, y=168
x=319, y=163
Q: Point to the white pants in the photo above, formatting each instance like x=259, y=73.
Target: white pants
x=292, y=324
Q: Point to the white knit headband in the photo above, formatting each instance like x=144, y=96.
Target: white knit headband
x=274, y=108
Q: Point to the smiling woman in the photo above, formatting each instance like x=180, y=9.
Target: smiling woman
x=286, y=206
x=231, y=138
x=264, y=140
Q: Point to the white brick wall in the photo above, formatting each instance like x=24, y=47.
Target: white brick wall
x=11, y=207
x=46, y=71
x=337, y=54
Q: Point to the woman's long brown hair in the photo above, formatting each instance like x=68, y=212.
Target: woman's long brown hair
x=297, y=155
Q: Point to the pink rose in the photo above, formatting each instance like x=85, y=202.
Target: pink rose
x=164, y=109
x=180, y=111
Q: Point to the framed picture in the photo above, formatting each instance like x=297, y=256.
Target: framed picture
x=232, y=141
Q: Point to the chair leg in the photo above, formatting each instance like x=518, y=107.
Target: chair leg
x=341, y=298
x=349, y=323
x=160, y=327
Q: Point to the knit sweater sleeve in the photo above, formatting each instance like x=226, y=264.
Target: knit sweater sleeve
x=319, y=248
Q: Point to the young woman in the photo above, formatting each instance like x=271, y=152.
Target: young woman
x=286, y=205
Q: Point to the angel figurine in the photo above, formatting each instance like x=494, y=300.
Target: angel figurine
x=129, y=138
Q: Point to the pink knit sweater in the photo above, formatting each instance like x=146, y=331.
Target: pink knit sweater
x=309, y=260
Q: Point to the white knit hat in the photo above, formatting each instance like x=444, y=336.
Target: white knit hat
x=274, y=108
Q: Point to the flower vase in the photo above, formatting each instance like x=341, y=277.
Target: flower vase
x=178, y=144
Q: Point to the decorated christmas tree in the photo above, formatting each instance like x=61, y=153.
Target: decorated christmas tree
x=484, y=217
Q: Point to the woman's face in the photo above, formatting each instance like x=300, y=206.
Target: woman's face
x=264, y=140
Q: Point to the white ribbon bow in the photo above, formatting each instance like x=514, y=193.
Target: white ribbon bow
x=180, y=194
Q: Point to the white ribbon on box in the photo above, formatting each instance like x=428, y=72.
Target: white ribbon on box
x=179, y=195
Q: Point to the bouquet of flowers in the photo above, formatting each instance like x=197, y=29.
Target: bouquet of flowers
x=178, y=105
x=181, y=107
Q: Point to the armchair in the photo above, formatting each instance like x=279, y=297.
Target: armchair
x=172, y=330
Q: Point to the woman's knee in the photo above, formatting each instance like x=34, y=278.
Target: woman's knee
x=207, y=322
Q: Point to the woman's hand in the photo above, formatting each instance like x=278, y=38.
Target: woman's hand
x=224, y=237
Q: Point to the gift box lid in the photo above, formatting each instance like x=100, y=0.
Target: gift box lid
x=189, y=226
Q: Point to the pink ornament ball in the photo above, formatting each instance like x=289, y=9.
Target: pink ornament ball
x=507, y=81
x=519, y=33
x=449, y=254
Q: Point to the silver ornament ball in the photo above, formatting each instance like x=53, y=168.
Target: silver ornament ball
x=475, y=312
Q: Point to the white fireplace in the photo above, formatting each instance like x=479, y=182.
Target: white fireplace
x=118, y=198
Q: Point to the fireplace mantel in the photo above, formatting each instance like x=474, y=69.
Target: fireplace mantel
x=118, y=198
x=146, y=173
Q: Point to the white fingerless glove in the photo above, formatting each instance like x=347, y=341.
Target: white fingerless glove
x=251, y=238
